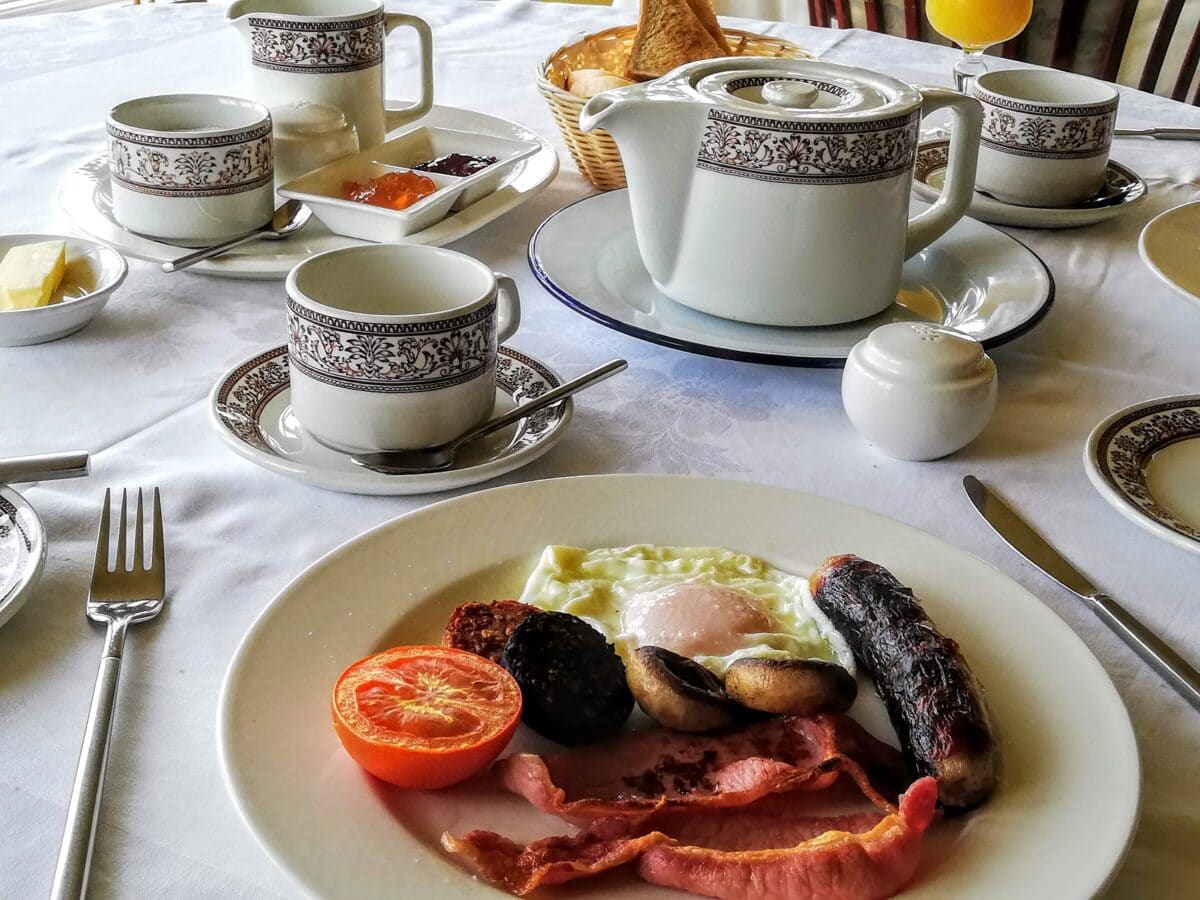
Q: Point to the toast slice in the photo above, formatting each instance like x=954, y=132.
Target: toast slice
x=708, y=18
x=669, y=34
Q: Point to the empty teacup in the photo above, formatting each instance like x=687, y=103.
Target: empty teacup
x=191, y=167
x=393, y=346
x=1046, y=136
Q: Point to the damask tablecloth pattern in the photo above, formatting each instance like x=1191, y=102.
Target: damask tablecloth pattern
x=132, y=388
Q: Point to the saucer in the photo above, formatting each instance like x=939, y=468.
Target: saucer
x=93, y=272
x=22, y=551
x=973, y=279
x=1124, y=190
x=1143, y=461
x=1168, y=246
x=85, y=195
x=251, y=409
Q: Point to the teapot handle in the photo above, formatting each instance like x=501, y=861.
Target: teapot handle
x=959, y=187
x=395, y=116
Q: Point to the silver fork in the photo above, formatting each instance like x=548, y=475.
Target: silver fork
x=119, y=597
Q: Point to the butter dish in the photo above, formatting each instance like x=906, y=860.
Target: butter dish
x=322, y=189
x=94, y=270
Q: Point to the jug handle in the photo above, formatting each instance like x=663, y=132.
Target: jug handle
x=959, y=187
x=395, y=116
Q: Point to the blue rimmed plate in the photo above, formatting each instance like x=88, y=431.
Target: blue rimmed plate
x=251, y=408
x=1143, y=460
x=22, y=551
x=974, y=279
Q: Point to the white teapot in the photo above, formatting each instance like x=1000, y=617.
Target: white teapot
x=776, y=191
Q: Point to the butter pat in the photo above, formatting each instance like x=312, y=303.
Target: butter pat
x=31, y=273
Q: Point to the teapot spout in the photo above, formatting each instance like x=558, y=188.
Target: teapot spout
x=657, y=134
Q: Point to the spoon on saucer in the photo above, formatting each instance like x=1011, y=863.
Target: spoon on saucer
x=288, y=219
x=433, y=459
x=1108, y=196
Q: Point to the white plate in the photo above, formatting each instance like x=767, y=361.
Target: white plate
x=1170, y=246
x=975, y=279
x=94, y=271
x=250, y=407
x=22, y=551
x=1057, y=826
x=1124, y=186
x=85, y=196
x=1143, y=460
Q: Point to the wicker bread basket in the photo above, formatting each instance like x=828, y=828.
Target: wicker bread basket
x=596, y=153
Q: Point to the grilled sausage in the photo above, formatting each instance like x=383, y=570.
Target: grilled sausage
x=936, y=705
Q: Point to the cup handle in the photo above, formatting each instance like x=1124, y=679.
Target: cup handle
x=955, y=198
x=508, y=308
x=395, y=116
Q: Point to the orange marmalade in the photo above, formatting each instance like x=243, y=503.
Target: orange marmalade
x=394, y=190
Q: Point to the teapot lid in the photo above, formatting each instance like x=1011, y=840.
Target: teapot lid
x=802, y=89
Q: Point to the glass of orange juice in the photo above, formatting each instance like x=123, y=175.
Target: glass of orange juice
x=976, y=25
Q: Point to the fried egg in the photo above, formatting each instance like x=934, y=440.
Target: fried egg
x=707, y=603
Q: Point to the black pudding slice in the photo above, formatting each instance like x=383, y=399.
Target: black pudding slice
x=572, y=681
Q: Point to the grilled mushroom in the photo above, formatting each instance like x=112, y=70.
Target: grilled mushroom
x=790, y=687
x=677, y=692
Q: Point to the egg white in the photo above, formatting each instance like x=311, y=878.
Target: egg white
x=597, y=585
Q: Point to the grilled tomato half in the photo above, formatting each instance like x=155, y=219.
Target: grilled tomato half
x=425, y=717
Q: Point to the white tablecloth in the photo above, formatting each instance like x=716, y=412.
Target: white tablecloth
x=132, y=388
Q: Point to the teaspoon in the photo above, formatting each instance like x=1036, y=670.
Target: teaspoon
x=288, y=219
x=433, y=459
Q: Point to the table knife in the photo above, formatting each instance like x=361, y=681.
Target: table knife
x=44, y=466
x=1162, y=134
x=1019, y=535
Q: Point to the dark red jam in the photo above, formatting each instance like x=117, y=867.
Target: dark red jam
x=459, y=164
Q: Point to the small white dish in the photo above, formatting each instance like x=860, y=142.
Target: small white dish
x=22, y=551
x=322, y=189
x=918, y=391
x=1123, y=190
x=1047, y=831
x=308, y=136
x=251, y=408
x=94, y=271
x=85, y=196
x=1170, y=247
x=1143, y=460
x=974, y=279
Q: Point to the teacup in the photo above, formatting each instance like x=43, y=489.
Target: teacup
x=1046, y=136
x=191, y=167
x=393, y=346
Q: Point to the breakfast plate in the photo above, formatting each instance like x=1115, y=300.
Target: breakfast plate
x=85, y=196
x=1123, y=190
x=974, y=279
x=1057, y=825
x=22, y=551
x=1168, y=247
x=251, y=409
x=1143, y=461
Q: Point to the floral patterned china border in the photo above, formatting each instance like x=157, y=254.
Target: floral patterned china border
x=245, y=393
x=202, y=166
x=392, y=358
x=1127, y=443
x=288, y=45
x=15, y=548
x=1064, y=132
x=933, y=156
x=797, y=152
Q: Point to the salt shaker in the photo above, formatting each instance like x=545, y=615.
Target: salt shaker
x=307, y=136
x=919, y=391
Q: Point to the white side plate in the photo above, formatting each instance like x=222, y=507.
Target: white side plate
x=974, y=279
x=1057, y=825
x=1170, y=247
x=85, y=196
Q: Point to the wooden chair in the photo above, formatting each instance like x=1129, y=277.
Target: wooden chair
x=1112, y=57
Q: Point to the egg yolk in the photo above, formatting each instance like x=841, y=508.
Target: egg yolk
x=696, y=619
